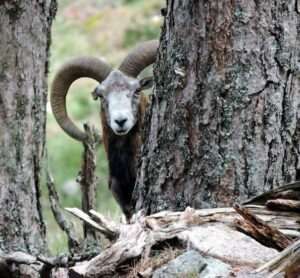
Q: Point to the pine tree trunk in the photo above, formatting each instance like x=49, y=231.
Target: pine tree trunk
x=24, y=49
x=224, y=122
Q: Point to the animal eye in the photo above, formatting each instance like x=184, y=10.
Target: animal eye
x=137, y=92
x=96, y=94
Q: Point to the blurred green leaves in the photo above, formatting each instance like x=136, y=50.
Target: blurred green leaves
x=138, y=34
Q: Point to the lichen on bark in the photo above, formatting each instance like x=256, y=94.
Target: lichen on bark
x=224, y=120
x=25, y=38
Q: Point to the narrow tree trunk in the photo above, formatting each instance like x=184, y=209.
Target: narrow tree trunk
x=224, y=122
x=24, y=48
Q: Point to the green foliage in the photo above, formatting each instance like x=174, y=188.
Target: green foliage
x=137, y=34
x=129, y=1
x=81, y=104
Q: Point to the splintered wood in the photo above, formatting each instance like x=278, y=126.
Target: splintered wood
x=210, y=231
x=266, y=221
x=260, y=230
x=288, y=262
x=131, y=241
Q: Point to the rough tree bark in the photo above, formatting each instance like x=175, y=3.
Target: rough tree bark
x=24, y=48
x=224, y=121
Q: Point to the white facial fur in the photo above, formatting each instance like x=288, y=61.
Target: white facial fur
x=120, y=109
x=120, y=100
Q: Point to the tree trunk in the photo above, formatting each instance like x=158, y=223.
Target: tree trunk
x=224, y=121
x=25, y=39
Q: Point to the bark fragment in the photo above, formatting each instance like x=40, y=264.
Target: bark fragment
x=260, y=230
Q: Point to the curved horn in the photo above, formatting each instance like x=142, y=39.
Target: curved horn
x=75, y=68
x=141, y=57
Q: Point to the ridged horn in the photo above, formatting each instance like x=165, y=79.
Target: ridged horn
x=140, y=58
x=84, y=66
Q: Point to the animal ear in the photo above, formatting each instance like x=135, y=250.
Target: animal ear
x=97, y=94
x=146, y=83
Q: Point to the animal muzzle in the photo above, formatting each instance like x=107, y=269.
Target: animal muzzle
x=122, y=124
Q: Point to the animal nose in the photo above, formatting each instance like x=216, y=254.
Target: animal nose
x=121, y=122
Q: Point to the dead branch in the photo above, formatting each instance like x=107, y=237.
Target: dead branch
x=88, y=178
x=289, y=191
x=260, y=230
x=110, y=226
x=111, y=231
x=58, y=213
x=288, y=262
x=283, y=204
x=133, y=241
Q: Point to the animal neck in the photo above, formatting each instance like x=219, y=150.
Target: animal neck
x=122, y=152
x=128, y=143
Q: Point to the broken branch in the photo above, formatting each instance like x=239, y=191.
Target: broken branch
x=88, y=178
x=260, y=230
x=286, y=261
x=57, y=211
x=284, y=204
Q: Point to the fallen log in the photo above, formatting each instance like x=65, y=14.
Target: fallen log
x=209, y=231
x=289, y=191
x=286, y=222
x=284, y=204
x=136, y=239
